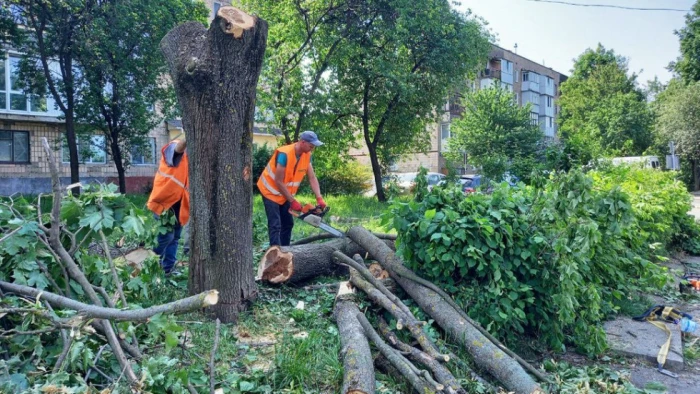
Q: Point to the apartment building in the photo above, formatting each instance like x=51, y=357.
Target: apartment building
x=25, y=120
x=532, y=83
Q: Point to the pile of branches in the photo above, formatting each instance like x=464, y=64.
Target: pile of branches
x=98, y=314
x=423, y=365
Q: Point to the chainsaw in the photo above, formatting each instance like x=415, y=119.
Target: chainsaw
x=312, y=215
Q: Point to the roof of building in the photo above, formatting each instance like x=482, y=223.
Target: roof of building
x=521, y=56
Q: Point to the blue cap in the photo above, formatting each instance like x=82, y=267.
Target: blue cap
x=310, y=136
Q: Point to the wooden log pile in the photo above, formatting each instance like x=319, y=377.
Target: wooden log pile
x=420, y=363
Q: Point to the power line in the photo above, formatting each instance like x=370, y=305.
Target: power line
x=609, y=6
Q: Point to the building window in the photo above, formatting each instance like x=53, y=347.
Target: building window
x=551, y=121
x=444, y=135
x=526, y=77
x=91, y=150
x=145, y=154
x=14, y=146
x=549, y=101
x=535, y=118
x=12, y=96
x=517, y=101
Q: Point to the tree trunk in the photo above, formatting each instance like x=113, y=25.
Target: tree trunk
x=485, y=353
x=215, y=73
x=296, y=264
x=72, y=142
x=696, y=175
x=118, y=160
x=357, y=358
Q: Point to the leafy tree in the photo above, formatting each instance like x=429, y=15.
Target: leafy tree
x=688, y=64
x=392, y=81
x=48, y=41
x=679, y=121
x=496, y=133
x=122, y=66
x=603, y=112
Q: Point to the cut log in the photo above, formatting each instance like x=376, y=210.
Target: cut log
x=358, y=377
x=296, y=264
x=484, y=352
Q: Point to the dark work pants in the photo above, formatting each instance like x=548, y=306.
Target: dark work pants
x=279, y=222
x=168, y=243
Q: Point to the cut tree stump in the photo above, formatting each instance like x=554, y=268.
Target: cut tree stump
x=485, y=353
x=296, y=264
x=358, y=367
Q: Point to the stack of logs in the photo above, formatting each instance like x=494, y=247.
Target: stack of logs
x=299, y=263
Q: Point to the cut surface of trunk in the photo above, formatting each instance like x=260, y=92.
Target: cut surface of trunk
x=215, y=73
x=485, y=353
x=296, y=264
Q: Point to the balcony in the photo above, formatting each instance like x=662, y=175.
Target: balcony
x=490, y=73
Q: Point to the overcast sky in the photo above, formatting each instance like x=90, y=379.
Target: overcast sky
x=555, y=34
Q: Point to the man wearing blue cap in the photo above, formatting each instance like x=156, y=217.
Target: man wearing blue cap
x=280, y=181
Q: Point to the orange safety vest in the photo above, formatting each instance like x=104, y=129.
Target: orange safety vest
x=171, y=185
x=293, y=175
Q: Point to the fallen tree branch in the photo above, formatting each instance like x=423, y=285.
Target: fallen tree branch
x=358, y=376
x=404, y=319
x=397, y=360
x=323, y=236
x=442, y=374
x=488, y=354
x=87, y=311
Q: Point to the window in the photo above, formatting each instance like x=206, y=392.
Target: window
x=526, y=77
x=18, y=100
x=534, y=118
x=444, y=135
x=12, y=96
x=551, y=122
x=549, y=101
x=91, y=150
x=146, y=154
x=14, y=146
x=516, y=98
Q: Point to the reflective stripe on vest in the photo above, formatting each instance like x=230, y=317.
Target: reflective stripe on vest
x=295, y=170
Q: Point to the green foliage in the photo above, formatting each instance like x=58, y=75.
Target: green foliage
x=688, y=64
x=421, y=187
x=603, y=112
x=549, y=261
x=345, y=178
x=496, y=133
x=659, y=202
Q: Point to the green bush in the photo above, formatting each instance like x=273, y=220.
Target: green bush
x=659, y=201
x=348, y=178
x=261, y=156
x=549, y=261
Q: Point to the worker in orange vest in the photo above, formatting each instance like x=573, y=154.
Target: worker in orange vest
x=280, y=181
x=171, y=192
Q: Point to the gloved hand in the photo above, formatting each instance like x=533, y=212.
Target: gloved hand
x=295, y=206
x=320, y=202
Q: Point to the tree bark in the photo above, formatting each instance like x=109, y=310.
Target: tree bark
x=215, y=74
x=485, y=353
x=357, y=358
x=696, y=175
x=296, y=264
x=117, y=157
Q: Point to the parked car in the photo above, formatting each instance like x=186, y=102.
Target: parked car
x=407, y=180
x=472, y=183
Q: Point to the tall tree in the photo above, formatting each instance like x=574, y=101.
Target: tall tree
x=215, y=73
x=678, y=120
x=123, y=70
x=603, y=112
x=496, y=133
x=392, y=81
x=688, y=64
x=49, y=45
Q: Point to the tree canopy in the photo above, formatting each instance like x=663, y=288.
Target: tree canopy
x=688, y=64
x=603, y=112
x=496, y=133
x=123, y=68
